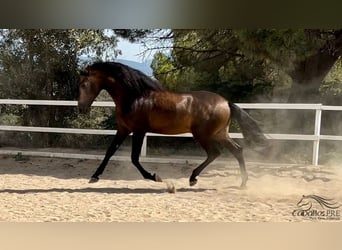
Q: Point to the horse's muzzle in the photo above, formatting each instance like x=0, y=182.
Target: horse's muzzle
x=83, y=109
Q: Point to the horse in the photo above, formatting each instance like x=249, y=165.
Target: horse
x=142, y=105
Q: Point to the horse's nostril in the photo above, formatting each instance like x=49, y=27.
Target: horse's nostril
x=82, y=109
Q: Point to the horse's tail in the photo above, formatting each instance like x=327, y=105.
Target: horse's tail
x=249, y=127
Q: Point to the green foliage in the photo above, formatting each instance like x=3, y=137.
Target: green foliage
x=95, y=119
x=331, y=89
x=210, y=60
x=265, y=59
x=170, y=76
x=92, y=120
x=43, y=64
x=9, y=119
x=133, y=35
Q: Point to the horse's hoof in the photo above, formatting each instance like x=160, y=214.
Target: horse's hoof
x=94, y=179
x=193, y=182
x=243, y=186
x=157, y=178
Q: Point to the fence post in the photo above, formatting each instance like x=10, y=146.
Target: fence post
x=317, y=132
x=144, y=147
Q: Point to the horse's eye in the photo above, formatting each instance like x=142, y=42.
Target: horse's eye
x=83, y=85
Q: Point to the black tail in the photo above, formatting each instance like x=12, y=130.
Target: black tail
x=249, y=128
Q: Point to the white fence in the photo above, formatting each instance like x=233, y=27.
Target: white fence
x=316, y=137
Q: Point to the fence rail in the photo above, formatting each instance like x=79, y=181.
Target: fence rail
x=316, y=137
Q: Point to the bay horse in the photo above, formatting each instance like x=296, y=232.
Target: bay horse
x=142, y=105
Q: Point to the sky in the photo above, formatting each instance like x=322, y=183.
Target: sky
x=131, y=51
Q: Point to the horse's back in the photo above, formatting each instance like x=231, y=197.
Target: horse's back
x=175, y=113
x=183, y=112
x=206, y=95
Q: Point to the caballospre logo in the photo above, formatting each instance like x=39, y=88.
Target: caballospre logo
x=316, y=207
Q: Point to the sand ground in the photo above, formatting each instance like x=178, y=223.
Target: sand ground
x=37, y=189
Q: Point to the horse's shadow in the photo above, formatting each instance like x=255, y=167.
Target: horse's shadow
x=83, y=169
x=102, y=190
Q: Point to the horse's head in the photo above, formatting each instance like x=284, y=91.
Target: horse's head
x=119, y=80
x=90, y=85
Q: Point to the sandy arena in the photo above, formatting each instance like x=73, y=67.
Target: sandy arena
x=52, y=189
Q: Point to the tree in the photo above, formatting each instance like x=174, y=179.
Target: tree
x=43, y=64
x=305, y=56
x=210, y=59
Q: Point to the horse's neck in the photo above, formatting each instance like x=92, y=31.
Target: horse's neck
x=119, y=98
x=113, y=90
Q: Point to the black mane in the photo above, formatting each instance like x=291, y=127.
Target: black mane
x=134, y=81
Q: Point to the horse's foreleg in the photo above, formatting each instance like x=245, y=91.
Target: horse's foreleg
x=137, y=141
x=117, y=141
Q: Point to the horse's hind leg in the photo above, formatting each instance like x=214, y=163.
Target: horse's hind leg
x=237, y=151
x=212, y=149
x=137, y=141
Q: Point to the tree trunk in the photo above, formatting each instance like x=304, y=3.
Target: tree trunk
x=308, y=76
